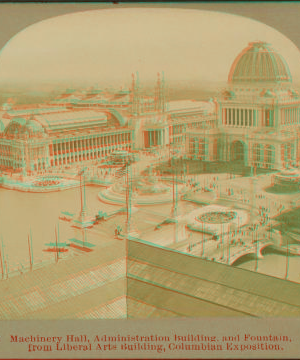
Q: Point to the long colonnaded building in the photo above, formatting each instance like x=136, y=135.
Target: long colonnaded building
x=91, y=125
x=255, y=119
x=49, y=139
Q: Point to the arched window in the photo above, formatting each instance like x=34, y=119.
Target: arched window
x=257, y=154
x=192, y=146
x=269, y=156
x=292, y=151
x=201, y=149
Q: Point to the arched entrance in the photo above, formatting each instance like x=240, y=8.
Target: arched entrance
x=238, y=151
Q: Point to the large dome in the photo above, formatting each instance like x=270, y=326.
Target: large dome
x=259, y=63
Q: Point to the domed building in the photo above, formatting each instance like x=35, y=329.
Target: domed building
x=24, y=146
x=95, y=124
x=20, y=128
x=258, y=112
x=254, y=121
x=259, y=63
x=36, y=140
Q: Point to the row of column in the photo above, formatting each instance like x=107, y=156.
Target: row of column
x=86, y=142
x=37, y=157
x=178, y=129
x=14, y=156
x=290, y=116
x=239, y=117
x=11, y=156
x=197, y=147
x=156, y=137
x=88, y=150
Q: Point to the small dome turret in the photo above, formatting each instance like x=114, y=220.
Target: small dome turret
x=20, y=127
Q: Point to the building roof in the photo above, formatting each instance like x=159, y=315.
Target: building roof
x=156, y=280
x=113, y=99
x=191, y=105
x=3, y=121
x=34, y=110
x=72, y=119
x=259, y=62
x=67, y=98
x=216, y=289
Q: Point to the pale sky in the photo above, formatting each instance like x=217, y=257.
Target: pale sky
x=107, y=46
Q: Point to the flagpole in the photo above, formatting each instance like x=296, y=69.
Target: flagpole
x=256, y=247
x=1, y=259
x=228, y=253
x=127, y=201
x=287, y=258
x=81, y=192
x=56, y=254
x=202, y=240
x=30, y=260
x=31, y=247
x=6, y=267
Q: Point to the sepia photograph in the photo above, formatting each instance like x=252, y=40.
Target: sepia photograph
x=149, y=180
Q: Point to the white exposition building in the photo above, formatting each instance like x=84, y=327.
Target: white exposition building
x=255, y=120
x=257, y=114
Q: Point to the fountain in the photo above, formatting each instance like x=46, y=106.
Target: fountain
x=288, y=178
x=213, y=218
x=146, y=190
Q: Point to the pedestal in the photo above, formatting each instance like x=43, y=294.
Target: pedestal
x=84, y=220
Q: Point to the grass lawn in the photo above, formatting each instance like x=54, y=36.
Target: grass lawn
x=290, y=218
x=191, y=167
x=277, y=189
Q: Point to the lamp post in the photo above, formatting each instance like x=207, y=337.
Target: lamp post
x=222, y=239
x=30, y=250
x=2, y=258
x=202, y=239
x=287, y=252
x=82, y=193
x=231, y=230
x=256, y=248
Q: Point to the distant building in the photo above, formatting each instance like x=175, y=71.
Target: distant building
x=91, y=125
x=255, y=121
x=32, y=143
x=258, y=113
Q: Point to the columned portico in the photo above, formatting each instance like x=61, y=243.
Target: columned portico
x=154, y=137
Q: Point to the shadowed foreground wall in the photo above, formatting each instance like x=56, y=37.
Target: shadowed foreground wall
x=149, y=282
x=162, y=282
